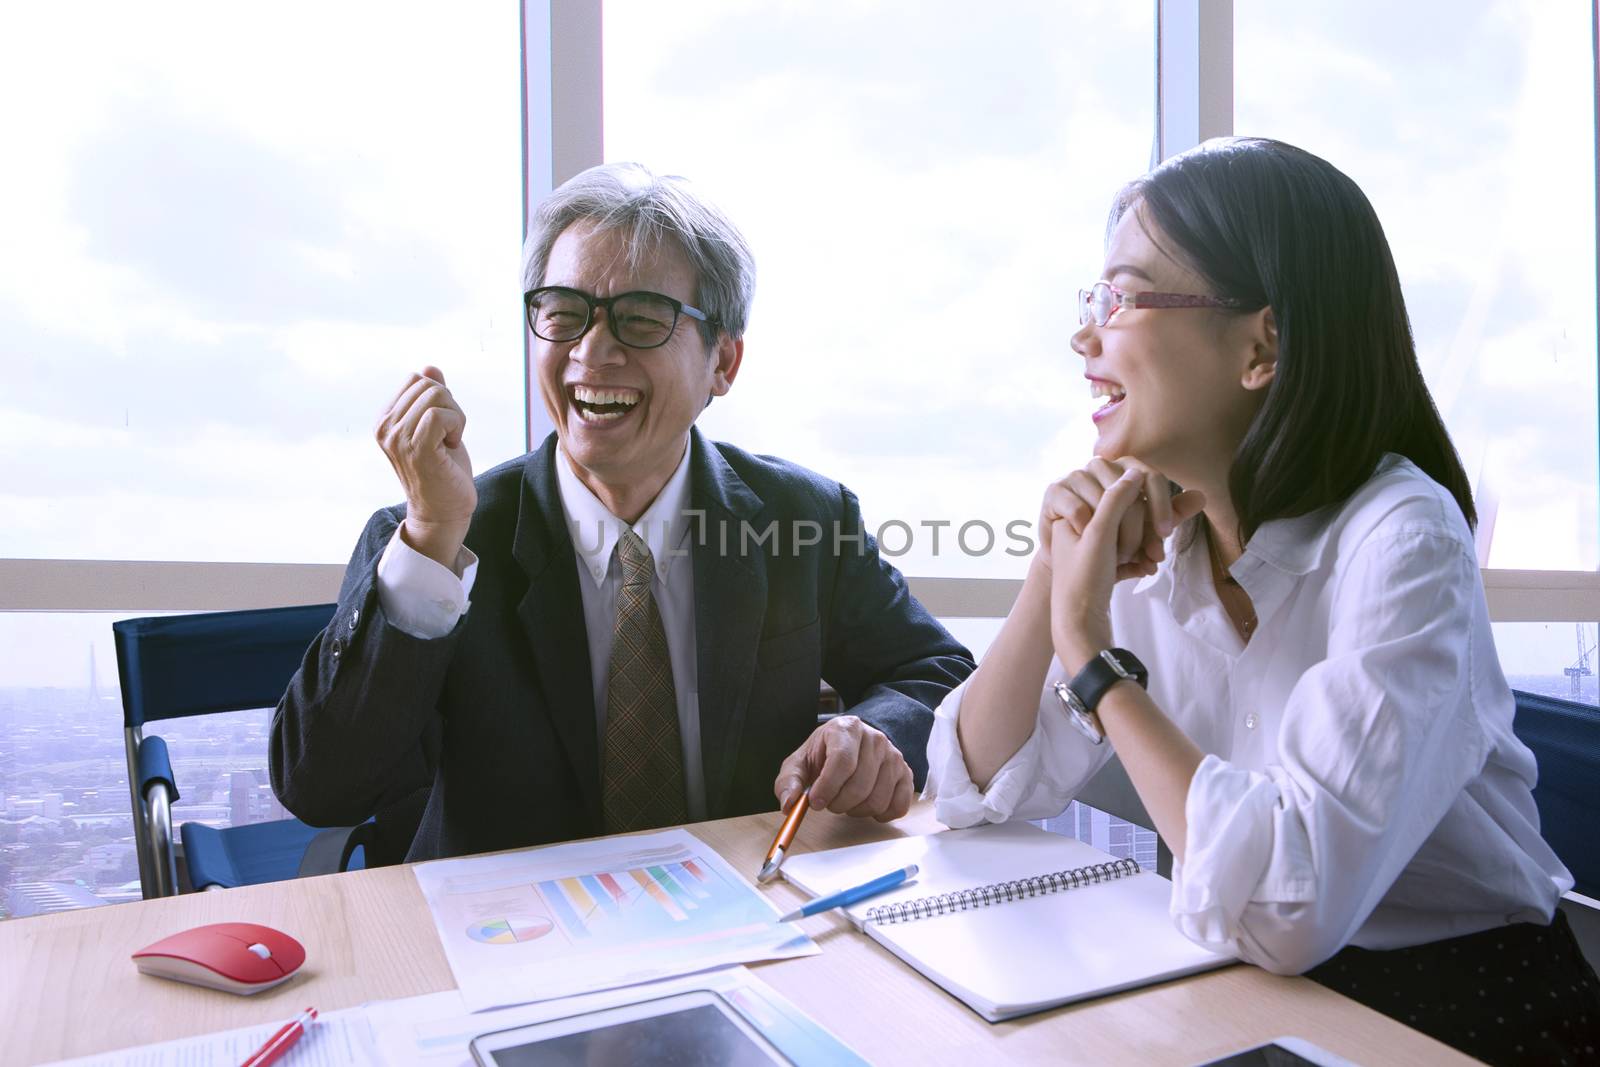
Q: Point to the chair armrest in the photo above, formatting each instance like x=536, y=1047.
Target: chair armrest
x=154, y=766
x=330, y=850
x=1572, y=899
x=157, y=791
x=1583, y=915
x=829, y=706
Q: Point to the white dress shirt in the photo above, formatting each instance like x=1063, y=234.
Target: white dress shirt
x=1361, y=783
x=426, y=600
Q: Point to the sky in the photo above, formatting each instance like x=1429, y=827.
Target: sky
x=233, y=241
x=235, y=238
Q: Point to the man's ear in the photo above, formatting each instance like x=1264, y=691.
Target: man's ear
x=727, y=354
x=1263, y=365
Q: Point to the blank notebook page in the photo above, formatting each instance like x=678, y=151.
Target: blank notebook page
x=1017, y=956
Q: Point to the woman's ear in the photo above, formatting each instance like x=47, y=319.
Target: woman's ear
x=1263, y=365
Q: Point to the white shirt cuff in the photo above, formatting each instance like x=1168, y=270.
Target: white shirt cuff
x=420, y=596
x=1244, y=846
x=958, y=801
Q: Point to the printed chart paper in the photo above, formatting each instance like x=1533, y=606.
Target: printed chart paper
x=574, y=918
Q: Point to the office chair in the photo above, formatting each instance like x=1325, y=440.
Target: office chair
x=1112, y=791
x=1565, y=739
x=185, y=665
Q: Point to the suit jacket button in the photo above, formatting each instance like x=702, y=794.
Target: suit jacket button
x=355, y=617
x=336, y=651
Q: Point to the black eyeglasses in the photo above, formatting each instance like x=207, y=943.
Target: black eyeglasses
x=638, y=319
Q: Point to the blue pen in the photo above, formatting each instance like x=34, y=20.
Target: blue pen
x=846, y=897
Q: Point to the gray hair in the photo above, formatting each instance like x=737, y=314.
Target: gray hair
x=647, y=209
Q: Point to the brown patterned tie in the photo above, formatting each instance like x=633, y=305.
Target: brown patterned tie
x=642, y=765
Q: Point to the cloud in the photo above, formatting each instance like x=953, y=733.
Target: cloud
x=238, y=231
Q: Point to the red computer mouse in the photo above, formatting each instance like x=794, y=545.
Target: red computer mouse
x=237, y=957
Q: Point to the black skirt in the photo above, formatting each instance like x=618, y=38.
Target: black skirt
x=1519, y=994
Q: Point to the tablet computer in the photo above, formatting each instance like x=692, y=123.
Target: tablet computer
x=693, y=1027
x=1282, y=1052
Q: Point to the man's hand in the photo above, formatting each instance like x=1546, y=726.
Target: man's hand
x=420, y=433
x=852, y=769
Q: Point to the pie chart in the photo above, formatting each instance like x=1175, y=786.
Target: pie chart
x=510, y=930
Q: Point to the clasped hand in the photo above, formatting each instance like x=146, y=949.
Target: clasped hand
x=1098, y=526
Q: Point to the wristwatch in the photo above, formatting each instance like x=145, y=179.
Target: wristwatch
x=1082, y=695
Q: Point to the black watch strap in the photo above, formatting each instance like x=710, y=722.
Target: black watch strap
x=1104, y=671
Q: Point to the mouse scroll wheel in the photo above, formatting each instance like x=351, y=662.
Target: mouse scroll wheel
x=261, y=950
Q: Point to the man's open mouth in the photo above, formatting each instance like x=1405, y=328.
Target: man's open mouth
x=603, y=405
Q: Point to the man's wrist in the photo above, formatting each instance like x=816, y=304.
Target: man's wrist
x=441, y=543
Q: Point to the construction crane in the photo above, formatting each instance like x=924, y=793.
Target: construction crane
x=1580, y=670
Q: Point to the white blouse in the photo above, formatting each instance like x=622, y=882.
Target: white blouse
x=1361, y=783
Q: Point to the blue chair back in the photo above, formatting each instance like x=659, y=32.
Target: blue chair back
x=1565, y=739
x=176, y=666
x=179, y=666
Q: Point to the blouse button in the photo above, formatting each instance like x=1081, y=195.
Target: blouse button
x=1250, y=721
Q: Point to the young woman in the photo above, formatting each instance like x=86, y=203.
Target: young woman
x=1291, y=655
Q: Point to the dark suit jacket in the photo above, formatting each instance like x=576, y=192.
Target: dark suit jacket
x=499, y=715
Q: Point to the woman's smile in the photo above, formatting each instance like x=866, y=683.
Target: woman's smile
x=1114, y=393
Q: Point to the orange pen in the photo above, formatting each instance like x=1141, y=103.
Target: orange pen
x=786, y=832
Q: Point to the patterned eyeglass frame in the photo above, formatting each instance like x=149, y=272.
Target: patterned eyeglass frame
x=1121, y=298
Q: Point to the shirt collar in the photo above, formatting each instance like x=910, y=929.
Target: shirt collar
x=1295, y=546
x=595, y=531
x=1173, y=572
x=1291, y=547
x=1280, y=552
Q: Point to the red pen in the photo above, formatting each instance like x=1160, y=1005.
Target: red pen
x=282, y=1041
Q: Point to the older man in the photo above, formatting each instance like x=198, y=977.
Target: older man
x=625, y=628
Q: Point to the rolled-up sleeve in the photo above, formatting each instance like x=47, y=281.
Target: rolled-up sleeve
x=1283, y=865
x=1037, y=782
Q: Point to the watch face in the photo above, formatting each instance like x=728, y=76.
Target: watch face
x=1081, y=716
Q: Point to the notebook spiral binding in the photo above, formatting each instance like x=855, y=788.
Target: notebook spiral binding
x=1001, y=892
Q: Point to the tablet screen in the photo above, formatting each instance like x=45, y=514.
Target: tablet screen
x=1276, y=1055
x=693, y=1035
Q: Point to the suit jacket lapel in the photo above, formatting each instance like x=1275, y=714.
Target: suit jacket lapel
x=730, y=597
x=552, y=619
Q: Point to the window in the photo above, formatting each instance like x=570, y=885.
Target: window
x=229, y=239
x=925, y=190
x=223, y=260
x=64, y=800
x=1472, y=130
x=1557, y=659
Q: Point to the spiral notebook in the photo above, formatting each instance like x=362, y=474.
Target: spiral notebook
x=1013, y=919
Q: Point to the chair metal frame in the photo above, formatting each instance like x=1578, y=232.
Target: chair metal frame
x=154, y=845
x=157, y=847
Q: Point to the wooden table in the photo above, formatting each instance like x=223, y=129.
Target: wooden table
x=67, y=986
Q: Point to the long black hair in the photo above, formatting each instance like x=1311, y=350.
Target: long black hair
x=1271, y=225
